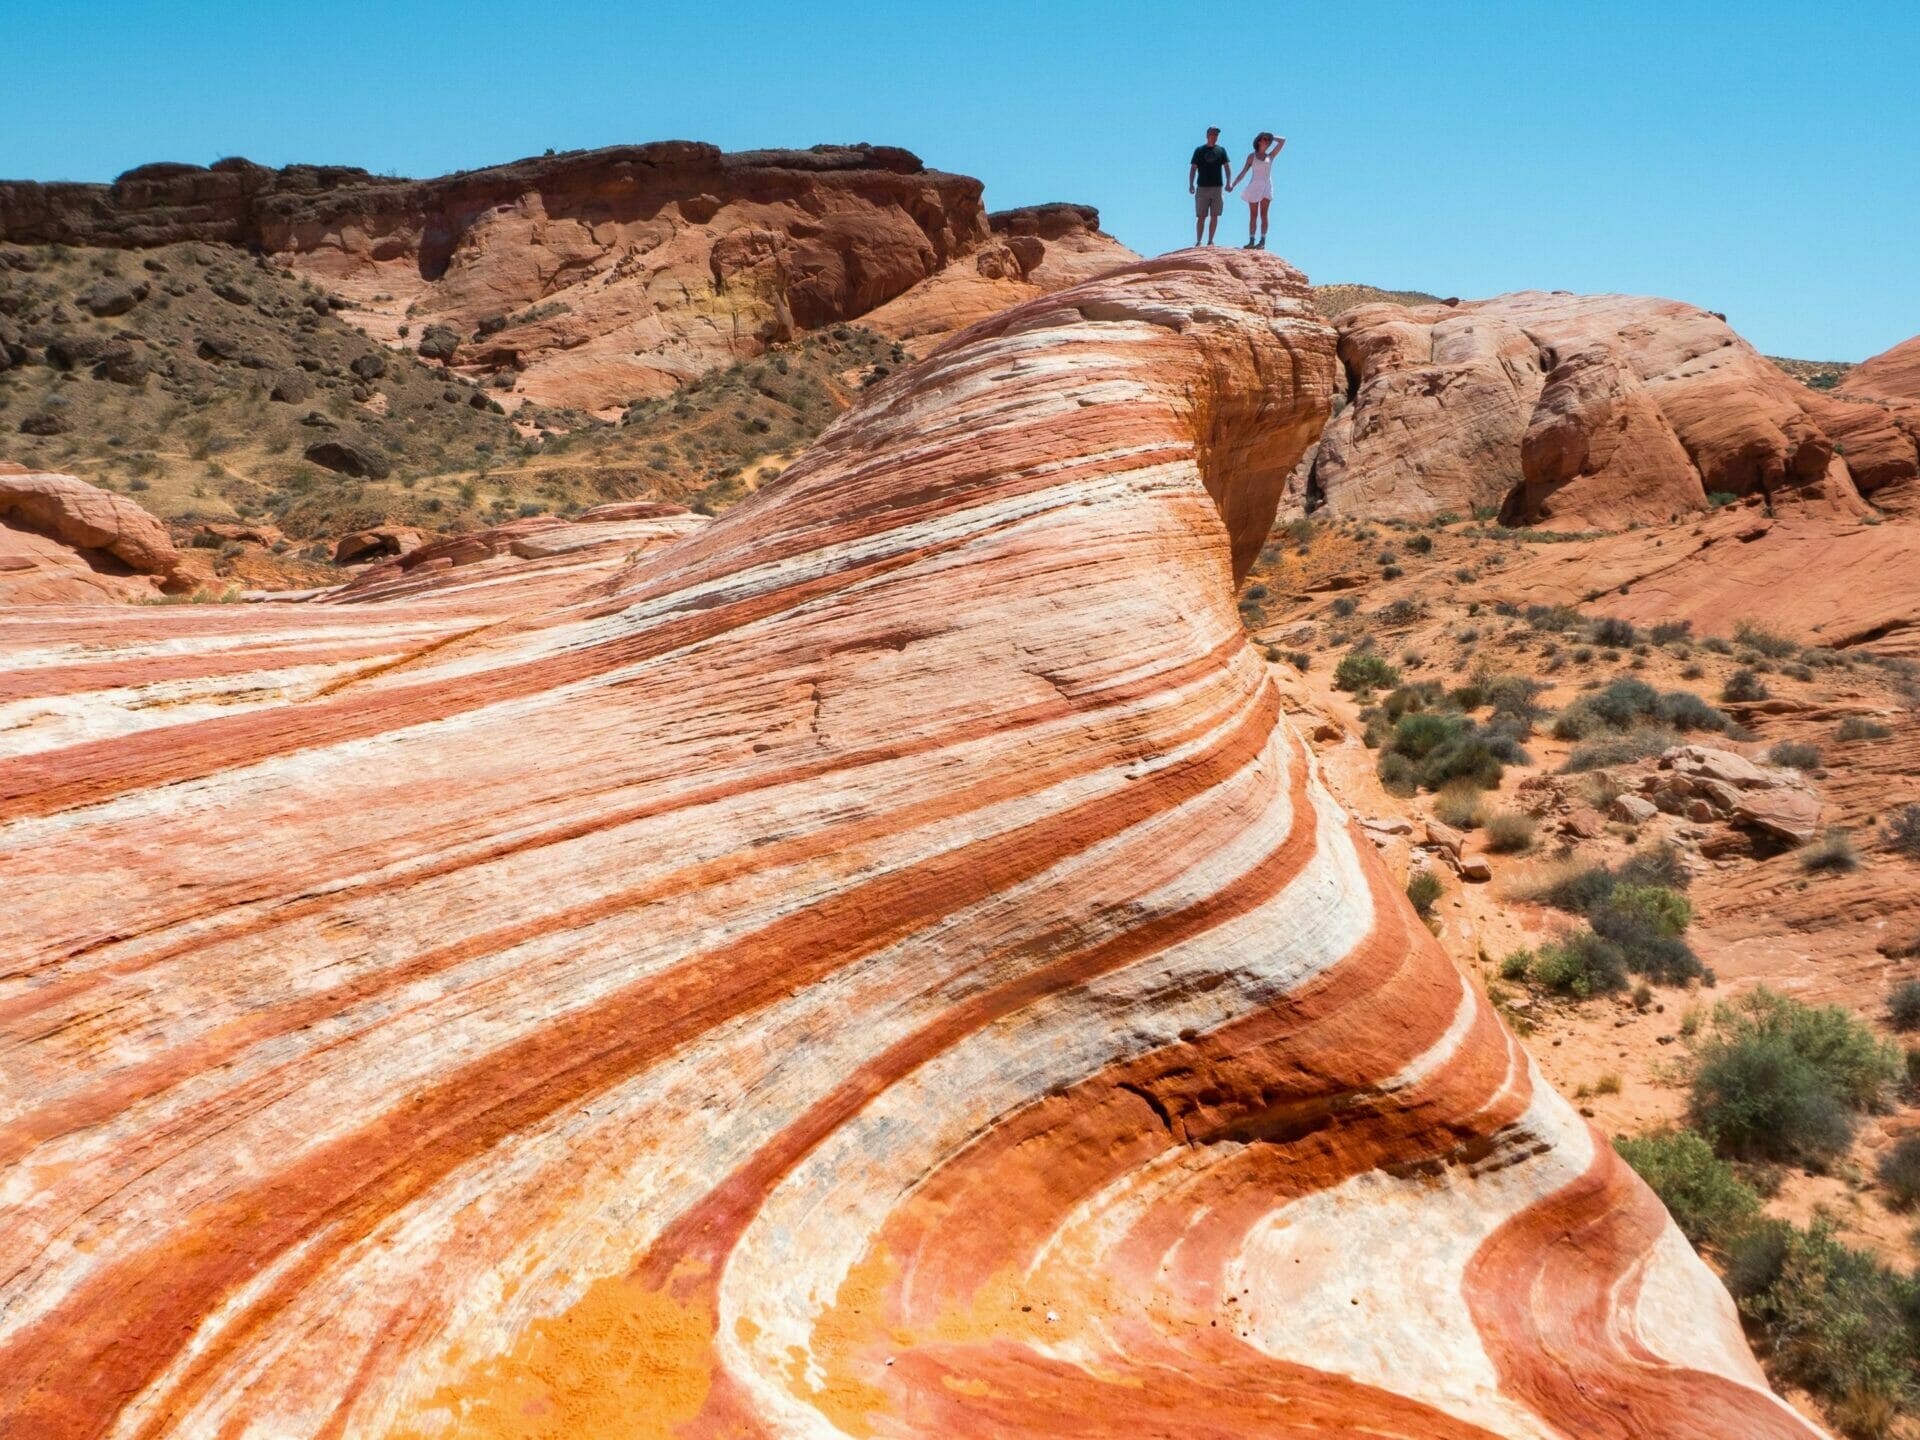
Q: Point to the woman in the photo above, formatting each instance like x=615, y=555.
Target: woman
x=1259, y=191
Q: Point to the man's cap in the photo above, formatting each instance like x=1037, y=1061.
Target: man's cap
x=1213, y=129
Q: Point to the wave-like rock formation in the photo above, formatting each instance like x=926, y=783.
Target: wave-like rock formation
x=1587, y=411
x=880, y=965
x=596, y=277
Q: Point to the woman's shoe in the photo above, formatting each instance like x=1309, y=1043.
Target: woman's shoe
x=1261, y=243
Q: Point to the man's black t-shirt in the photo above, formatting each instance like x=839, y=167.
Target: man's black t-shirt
x=1213, y=162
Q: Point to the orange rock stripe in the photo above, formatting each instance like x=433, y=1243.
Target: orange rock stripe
x=143, y=1309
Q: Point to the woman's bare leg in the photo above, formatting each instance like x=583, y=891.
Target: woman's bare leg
x=1253, y=214
x=1264, y=204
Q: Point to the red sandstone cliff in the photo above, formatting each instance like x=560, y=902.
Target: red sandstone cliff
x=597, y=277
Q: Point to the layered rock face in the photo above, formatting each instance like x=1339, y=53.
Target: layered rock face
x=63, y=540
x=593, y=278
x=878, y=966
x=1589, y=411
x=1891, y=375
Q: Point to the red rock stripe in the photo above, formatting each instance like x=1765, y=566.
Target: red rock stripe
x=144, y=1308
x=1545, y=1285
x=127, y=1087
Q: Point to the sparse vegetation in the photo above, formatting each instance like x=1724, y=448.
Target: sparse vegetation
x=1778, y=1080
x=1742, y=686
x=1856, y=727
x=1362, y=670
x=1707, y=1199
x=1794, y=755
x=1903, y=830
x=1424, y=890
x=1833, y=852
x=1509, y=832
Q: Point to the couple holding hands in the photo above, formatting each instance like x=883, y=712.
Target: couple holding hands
x=1207, y=182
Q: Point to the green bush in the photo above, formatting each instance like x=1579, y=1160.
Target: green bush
x=1424, y=889
x=1618, y=634
x=1743, y=685
x=1710, y=1204
x=1899, y=1171
x=1669, y=631
x=1398, y=775
x=1778, y=1080
x=1903, y=1006
x=1462, y=806
x=1837, y=1321
x=1579, y=964
x=1364, y=670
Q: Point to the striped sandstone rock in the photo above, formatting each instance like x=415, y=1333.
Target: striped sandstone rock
x=879, y=965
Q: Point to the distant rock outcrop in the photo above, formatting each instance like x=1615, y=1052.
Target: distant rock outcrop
x=880, y=965
x=592, y=278
x=65, y=541
x=1891, y=375
x=1584, y=411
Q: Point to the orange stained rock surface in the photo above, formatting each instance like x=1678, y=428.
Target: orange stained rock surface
x=1589, y=412
x=877, y=964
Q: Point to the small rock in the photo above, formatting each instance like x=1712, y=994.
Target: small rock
x=1474, y=868
x=112, y=297
x=1633, y=809
x=1445, y=836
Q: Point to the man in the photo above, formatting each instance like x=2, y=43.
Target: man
x=1207, y=183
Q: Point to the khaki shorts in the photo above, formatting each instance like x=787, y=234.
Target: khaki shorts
x=1209, y=200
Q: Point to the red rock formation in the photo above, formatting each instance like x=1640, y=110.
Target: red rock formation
x=1035, y=251
x=1584, y=411
x=879, y=966
x=1891, y=375
x=597, y=277
x=63, y=541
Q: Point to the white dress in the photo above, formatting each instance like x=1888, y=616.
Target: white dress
x=1259, y=184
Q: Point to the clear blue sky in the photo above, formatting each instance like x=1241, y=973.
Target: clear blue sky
x=1759, y=158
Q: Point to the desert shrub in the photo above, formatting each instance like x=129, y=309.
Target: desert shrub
x=1796, y=671
x=1424, y=889
x=1770, y=643
x=1398, y=776
x=1462, y=806
x=1778, y=1080
x=1856, y=727
x=1644, y=923
x=1668, y=631
x=1832, y=852
x=1515, y=697
x=1516, y=965
x=1837, y=1322
x=1620, y=749
x=1614, y=634
x=1363, y=670
x=1903, y=1005
x=1707, y=1200
x=1579, y=964
x=1743, y=685
x=1345, y=606
x=1420, y=544
x=1684, y=711
x=1903, y=830
x=1509, y=832
x=1795, y=754
x=1552, y=617
x=1391, y=572
x=1899, y=1171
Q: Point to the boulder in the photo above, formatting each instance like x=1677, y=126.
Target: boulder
x=1790, y=813
x=438, y=342
x=291, y=387
x=107, y=298
x=1583, y=411
x=376, y=544
x=1632, y=809
x=96, y=528
x=370, y=366
x=349, y=457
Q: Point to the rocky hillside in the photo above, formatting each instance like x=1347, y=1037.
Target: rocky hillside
x=589, y=280
x=1115, y=1090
